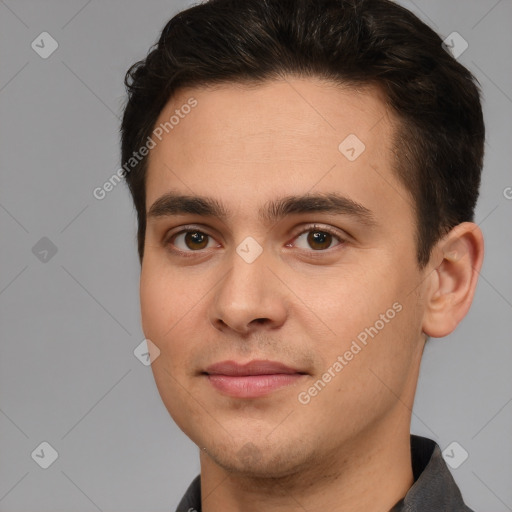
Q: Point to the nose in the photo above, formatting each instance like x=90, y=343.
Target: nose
x=248, y=297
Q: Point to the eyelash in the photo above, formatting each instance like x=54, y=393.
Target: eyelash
x=322, y=229
x=307, y=229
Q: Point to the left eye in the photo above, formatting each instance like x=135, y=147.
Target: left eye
x=318, y=239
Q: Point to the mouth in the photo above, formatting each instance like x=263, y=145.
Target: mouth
x=254, y=379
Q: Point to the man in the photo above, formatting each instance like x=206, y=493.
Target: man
x=305, y=175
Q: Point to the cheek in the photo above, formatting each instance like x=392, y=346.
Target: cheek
x=368, y=365
x=165, y=322
x=171, y=306
x=346, y=300
x=154, y=300
x=162, y=303
x=371, y=313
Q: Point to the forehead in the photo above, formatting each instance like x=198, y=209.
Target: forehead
x=247, y=143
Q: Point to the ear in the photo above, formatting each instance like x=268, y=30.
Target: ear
x=457, y=259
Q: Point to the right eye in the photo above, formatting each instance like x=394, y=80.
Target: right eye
x=190, y=240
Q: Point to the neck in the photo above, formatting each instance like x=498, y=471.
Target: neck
x=369, y=473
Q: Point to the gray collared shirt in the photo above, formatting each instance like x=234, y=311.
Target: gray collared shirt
x=434, y=488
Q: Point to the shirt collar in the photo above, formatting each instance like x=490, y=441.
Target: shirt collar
x=434, y=488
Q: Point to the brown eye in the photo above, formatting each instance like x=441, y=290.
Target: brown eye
x=190, y=241
x=196, y=240
x=319, y=240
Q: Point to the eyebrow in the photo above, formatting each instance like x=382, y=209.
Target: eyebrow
x=173, y=203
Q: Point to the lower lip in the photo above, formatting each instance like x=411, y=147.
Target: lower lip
x=252, y=386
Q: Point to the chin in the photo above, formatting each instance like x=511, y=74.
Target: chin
x=260, y=461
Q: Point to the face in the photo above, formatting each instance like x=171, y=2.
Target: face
x=286, y=306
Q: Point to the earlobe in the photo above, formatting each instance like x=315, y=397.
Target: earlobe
x=452, y=282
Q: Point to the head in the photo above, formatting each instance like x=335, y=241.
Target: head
x=261, y=120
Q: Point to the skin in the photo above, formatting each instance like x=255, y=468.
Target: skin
x=348, y=448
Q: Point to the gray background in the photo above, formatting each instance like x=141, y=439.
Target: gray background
x=70, y=323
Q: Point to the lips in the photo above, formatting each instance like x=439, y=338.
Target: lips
x=256, y=367
x=251, y=380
